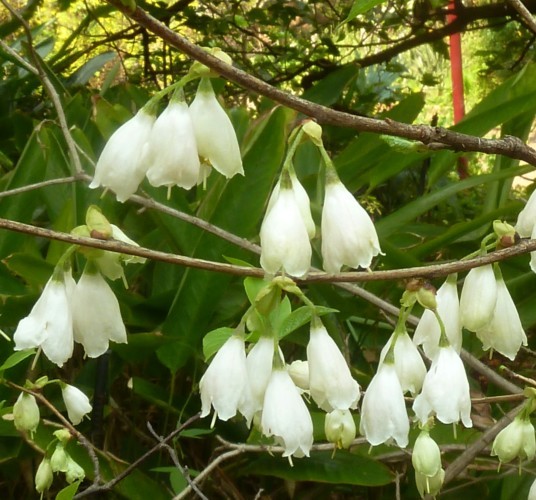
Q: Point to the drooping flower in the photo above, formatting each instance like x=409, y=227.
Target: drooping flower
x=302, y=199
x=517, y=440
x=478, y=298
x=299, y=373
x=223, y=386
x=44, y=476
x=96, y=315
x=76, y=402
x=50, y=323
x=172, y=150
x=348, y=234
x=285, y=416
x=445, y=390
x=259, y=366
x=330, y=381
x=26, y=415
x=429, y=485
x=426, y=456
x=339, y=428
x=428, y=331
x=284, y=240
x=214, y=132
x=60, y=458
x=122, y=163
x=74, y=471
x=504, y=333
x=409, y=366
x=526, y=220
x=383, y=412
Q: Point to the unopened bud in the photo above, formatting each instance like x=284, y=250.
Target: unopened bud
x=299, y=373
x=99, y=227
x=43, y=476
x=339, y=427
x=314, y=131
x=426, y=296
x=74, y=472
x=26, y=413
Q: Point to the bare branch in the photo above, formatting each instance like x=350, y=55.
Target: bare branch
x=524, y=13
x=512, y=147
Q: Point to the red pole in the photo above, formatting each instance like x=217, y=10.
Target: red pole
x=456, y=71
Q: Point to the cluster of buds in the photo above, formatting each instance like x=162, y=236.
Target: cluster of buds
x=177, y=148
x=86, y=311
x=348, y=234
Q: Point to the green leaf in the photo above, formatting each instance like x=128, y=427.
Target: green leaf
x=300, y=317
x=360, y=7
x=33, y=269
x=16, y=358
x=343, y=468
x=213, y=340
x=68, y=492
x=83, y=74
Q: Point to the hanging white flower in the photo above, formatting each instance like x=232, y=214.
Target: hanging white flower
x=284, y=240
x=121, y=165
x=409, y=365
x=383, y=412
x=76, y=403
x=348, y=234
x=299, y=373
x=259, y=367
x=478, y=298
x=172, y=150
x=429, y=486
x=330, y=382
x=302, y=199
x=50, y=323
x=526, y=220
x=224, y=384
x=96, y=314
x=504, y=333
x=285, y=416
x=427, y=332
x=445, y=391
x=517, y=440
x=214, y=132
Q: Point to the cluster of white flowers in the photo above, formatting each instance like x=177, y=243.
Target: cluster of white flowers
x=348, y=234
x=175, y=149
x=259, y=385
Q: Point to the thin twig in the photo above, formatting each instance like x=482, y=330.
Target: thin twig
x=15, y=55
x=94, y=488
x=39, y=185
x=175, y=460
x=524, y=13
x=49, y=87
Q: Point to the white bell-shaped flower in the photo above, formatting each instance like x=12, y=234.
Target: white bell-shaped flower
x=517, y=440
x=429, y=486
x=445, y=391
x=259, y=363
x=478, y=298
x=96, y=314
x=299, y=373
x=224, y=384
x=285, y=415
x=383, y=412
x=76, y=402
x=50, y=323
x=214, y=132
x=172, y=150
x=428, y=331
x=532, y=491
x=330, y=382
x=122, y=163
x=284, y=240
x=301, y=197
x=409, y=365
x=348, y=234
x=526, y=220
x=504, y=333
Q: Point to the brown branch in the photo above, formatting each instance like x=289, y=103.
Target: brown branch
x=512, y=147
x=433, y=271
x=524, y=13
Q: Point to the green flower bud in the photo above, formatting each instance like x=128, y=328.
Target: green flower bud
x=339, y=427
x=426, y=457
x=74, y=472
x=515, y=440
x=60, y=459
x=98, y=225
x=63, y=436
x=43, y=476
x=26, y=413
x=429, y=485
x=314, y=131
